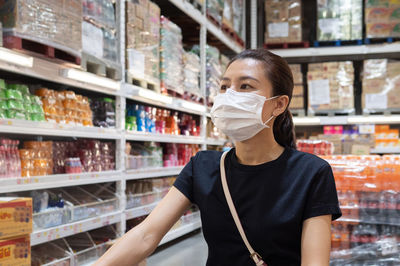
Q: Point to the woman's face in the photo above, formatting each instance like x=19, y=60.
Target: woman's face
x=248, y=75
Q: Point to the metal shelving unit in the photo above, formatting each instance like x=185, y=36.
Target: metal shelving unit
x=181, y=231
x=21, y=64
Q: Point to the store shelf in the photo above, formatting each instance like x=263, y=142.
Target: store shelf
x=152, y=172
x=55, y=129
x=217, y=142
x=385, y=151
x=140, y=136
x=187, y=8
x=222, y=37
x=339, y=50
x=55, y=181
x=139, y=211
x=180, y=231
x=348, y=220
x=346, y=120
x=139, y=94
x=46, y=235
x=62, y=73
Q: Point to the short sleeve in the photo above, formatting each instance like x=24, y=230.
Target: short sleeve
x=184, y=182
x=322, y=196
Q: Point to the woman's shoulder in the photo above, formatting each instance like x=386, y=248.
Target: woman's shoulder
x=208, y=156
x=307, y=159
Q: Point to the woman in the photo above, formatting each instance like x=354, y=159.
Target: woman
x=285, y=199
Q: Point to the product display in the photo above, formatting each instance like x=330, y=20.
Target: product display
x=10, y=162
x=191, y=71
x=16, y=102
x=380, y=85
x=297, y=101
x=171, y=57
x=382, y=18
x=156, y=120
x=54, y=23
x=65, y=107
x=339, y=20
x=36, y=158
x=143, y=39
x=330, y=87
x=178, y=154
x=283, y=21
x=103, y=112
x=368, y=193
x=15, y=251
x=149, y=155
x=16, y=217
x=317, y=147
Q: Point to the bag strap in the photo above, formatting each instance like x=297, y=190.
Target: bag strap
x=254, y=255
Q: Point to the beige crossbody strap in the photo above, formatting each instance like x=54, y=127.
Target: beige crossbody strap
x=254, y=255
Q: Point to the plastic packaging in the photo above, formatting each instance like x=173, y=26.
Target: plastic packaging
x=380, y=85
x=103, y=112
x=339, y=20
x=330, y=87
x=318, y=147
x=171, y=57
x=191, y=72
x=283, y=21
x=382, y=19
x=54, y=23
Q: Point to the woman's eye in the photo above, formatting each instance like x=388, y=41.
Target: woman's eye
x=245, y=87
x=223, y=87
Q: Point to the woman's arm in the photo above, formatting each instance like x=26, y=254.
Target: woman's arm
x=316, y=241
x=142, y=240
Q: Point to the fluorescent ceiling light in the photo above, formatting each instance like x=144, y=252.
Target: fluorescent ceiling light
x=306, y=121
x=374, y=119
x=14, y=58
x=90, y=78
x=151, y=95
x=193, y=106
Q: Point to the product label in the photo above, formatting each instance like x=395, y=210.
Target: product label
x=92, y=39
x=329, y=25
x=319, y=92
x=278, y=30
x=136, y=61
x=388, y=246
x=366, y=129
x=375, y=101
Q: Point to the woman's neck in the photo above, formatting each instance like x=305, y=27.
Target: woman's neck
x=259, y=149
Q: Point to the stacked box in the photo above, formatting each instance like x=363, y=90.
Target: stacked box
x=15, y=229
x=143, y=38
x=54, y=23
x=171, y=57
x=382, y=18
x=16, y=102
x=330, y=87
x=283, y=21
x=339, y=20
x=380, y=85
x=191, y=72
x=215, y=9
x=297, y=101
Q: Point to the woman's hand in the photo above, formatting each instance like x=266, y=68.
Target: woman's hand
x=142, y=240
x=316, y=241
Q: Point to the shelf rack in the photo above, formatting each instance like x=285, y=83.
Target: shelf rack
x=28, y=65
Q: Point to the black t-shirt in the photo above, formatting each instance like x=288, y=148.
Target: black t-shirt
x=272, y=200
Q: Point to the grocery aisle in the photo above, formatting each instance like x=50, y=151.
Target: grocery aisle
x=190, y=251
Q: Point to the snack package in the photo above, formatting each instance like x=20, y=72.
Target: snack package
x=330, y=87
x=380, y=85
x=339, y=20
x=382, y=18
x=283, y=21
x=16, y=217
x=191, y=72
x=15, y=251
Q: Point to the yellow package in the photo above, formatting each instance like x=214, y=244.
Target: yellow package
x=15, y=217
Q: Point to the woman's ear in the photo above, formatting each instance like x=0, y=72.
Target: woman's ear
x=281, y=103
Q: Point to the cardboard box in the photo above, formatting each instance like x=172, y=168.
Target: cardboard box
x=15, y=217
x=15, y=251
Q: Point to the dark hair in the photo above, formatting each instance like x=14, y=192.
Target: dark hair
x=279, y=74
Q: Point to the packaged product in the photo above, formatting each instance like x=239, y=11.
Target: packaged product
x=382, y=18
x=283, y=21
x=330, y=87
x=297, y=101
x=15, y=251
x=339, y=20
x=15, y=216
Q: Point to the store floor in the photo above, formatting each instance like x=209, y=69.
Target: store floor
x=188, y=251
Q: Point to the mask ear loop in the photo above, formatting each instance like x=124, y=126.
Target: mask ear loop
x=266, y=122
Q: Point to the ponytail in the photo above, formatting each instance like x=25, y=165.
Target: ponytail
x=284, y=130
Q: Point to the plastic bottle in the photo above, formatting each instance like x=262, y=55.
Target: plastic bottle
x=355, y=236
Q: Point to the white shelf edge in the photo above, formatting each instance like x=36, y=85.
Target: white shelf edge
x=152, y=172
x=338, y=50
x=55, y=181
x=140, y=211
x=140, y=136
x=385, y=151
x=130, y=91
x=56, y=129
x=346, y=120
x=217, y=142
x=222, y=37
x=50, y=234
x=50, y=71
x=180, y=231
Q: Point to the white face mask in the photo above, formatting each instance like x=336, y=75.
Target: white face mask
x=239, y=114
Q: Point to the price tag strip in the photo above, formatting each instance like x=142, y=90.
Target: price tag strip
x=46, y=235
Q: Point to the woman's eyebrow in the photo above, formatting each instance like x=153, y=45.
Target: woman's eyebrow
x=241, y=78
